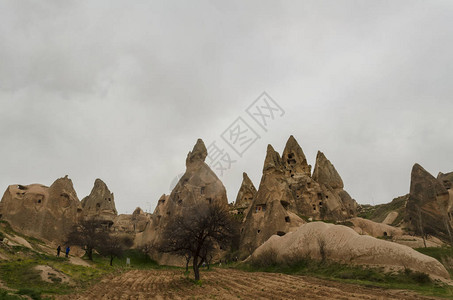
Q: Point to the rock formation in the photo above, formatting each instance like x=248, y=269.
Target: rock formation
x=246, y=192
x=338, y=203
x=199, y=184
x=288, y=191
x=40, y=211
x=100, y=204
x=342, y=244
x=429, y=207
x=446, y=179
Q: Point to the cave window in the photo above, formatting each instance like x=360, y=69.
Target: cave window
x=179, y=201
x=385, y=233
x=21, y=187
x=259, y=208
x=209, y=200
x=242, y=230
x=320, y=203
x=281, y=233
x=202, y=190
x=39, y=200
x=285, y=204
x=314, y=207
x=110, y=199
x=308, y=184
x=292, y=175
x=319, y=196
x=259, y=231
x=287, y=219
x=327, y=197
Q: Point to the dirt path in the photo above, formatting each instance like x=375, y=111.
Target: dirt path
x=231, y=284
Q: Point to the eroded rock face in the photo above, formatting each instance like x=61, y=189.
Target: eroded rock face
x=40, y=211
x=246, y=192
x=288, y=191
x=100, y=204
x=199, y=184
x=429, y=204
x=446, y=179
x=342, y=244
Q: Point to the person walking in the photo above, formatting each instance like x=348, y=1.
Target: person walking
x=58, y=250
x=67, y=251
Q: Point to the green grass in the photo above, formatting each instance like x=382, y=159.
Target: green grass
x=443, y=254
x=407, y=279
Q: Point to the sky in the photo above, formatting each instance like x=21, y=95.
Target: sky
x=121, y=90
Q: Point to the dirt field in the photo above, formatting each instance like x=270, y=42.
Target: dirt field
x=230, y=284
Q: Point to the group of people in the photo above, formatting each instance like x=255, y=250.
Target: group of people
x=66, y=251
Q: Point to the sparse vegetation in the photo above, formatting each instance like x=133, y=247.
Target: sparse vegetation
x=378, y=213
x=405, y=279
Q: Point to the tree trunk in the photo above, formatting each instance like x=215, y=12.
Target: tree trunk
x=89, y=253
x=111, y=260
x=187, y=263
x=196, y=271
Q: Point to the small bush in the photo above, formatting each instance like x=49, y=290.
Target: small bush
x=265, y=259
x=35, y=295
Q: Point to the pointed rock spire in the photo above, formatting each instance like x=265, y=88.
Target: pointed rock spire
x=273, y=162
x=198, y=153
x=325, y=172
x=100, y=203
x=246, y=192
x=294, y=158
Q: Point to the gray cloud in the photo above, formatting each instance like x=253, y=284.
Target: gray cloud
x=121, y=90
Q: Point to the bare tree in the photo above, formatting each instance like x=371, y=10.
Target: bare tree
x=88, y=234
x=114, y=246
x=201, y=230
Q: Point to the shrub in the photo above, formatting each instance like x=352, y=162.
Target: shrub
x=266, y=258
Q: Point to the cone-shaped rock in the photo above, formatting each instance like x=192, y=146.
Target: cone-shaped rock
x=42, y=212
x=429, y=208
x=325, y=173
x=273, y=208
x=246, y=192
x=199, y=184
x=287, y=191
x=294, y=158
x=273, y=162
x=100, y=204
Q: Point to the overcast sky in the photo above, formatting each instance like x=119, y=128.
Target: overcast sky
x=121, y=90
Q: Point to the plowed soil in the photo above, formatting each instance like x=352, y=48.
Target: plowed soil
x=230, y=284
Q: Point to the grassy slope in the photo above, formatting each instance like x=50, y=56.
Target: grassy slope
x=18, y=272
x=379, y=212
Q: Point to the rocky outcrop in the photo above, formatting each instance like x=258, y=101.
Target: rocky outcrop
x=446, y=179
x=246, y=192
x=319, y=240
x=294, y=158
x=368, y=227
x=339, y=203
x=100, y=204
x=429, y=207
x=199, y=184
x=40, y=211
x=273, y=210
x=287, y=191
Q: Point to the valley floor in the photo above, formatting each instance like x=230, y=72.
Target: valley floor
x=223, y=283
